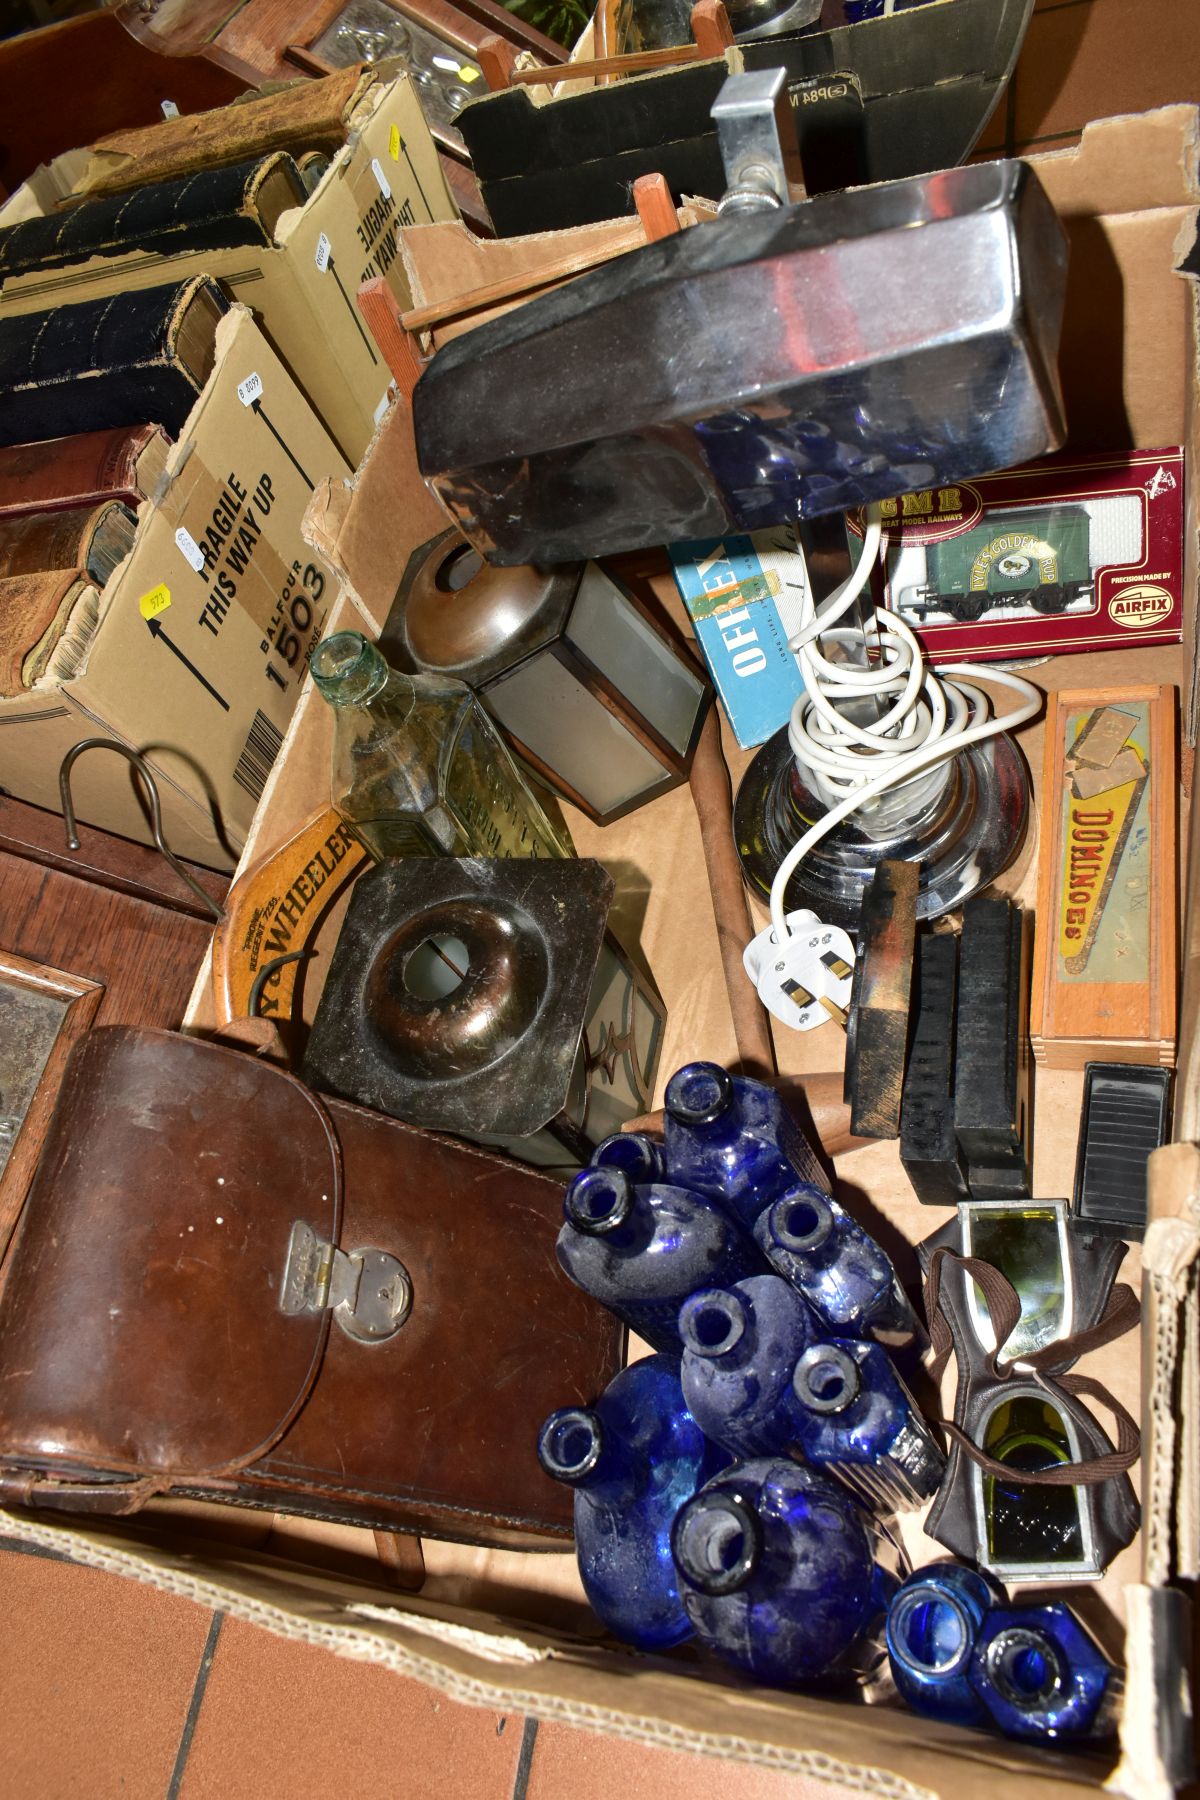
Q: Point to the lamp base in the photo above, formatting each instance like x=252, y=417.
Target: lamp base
x=962, y=839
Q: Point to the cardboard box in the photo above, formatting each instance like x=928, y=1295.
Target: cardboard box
x=513, y=1632
x=302, y=290
x=205, y=630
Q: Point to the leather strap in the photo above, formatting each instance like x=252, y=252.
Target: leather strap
x=1004, y=1309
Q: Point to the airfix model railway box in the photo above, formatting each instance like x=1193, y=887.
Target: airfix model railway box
x=1071, y=553
x=513, y=1632
x=301, y=281
x=195, y=652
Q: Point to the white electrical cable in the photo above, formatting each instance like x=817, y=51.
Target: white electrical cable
x=927, y=721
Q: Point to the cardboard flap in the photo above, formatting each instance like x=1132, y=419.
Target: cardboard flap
x=141, y=1329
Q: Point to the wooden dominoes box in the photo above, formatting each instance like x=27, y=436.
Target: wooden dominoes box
x=1104, y=958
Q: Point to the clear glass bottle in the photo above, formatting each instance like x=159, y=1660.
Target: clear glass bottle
x=418, y=767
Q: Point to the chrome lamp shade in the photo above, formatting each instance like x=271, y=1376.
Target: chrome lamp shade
x=757, y=369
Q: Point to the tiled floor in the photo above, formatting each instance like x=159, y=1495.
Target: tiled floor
x=110, y=1690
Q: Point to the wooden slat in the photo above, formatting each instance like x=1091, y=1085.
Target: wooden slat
x=655, y=207
x=380, y=308
x=525, y=282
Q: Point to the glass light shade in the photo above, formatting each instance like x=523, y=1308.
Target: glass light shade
x=579, y=676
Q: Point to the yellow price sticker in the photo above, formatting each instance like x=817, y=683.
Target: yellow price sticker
x=156, y=601
x=394, y=143
x=468, y=74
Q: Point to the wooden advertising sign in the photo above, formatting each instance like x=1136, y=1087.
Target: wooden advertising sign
x=1104, y=958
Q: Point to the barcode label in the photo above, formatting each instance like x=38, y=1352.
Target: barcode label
x=385, y=186
x=258, y=753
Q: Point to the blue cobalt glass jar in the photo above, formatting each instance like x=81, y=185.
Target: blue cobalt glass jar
x=642, y=1250
x=776, y=1570
x=741, y=1345
x=1041, y=1675
x=734, y=1140
x=858, y=1421
x=640, y=1156
x=845, y=1276
x=933, y=1623
x=633, y=1459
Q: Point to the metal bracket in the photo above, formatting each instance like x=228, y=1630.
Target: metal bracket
x=369, y=1292
x=757, y=137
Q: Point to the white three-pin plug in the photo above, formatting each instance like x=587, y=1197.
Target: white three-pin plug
x=805, y=981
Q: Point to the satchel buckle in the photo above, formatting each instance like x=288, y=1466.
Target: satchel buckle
x=369, y=1292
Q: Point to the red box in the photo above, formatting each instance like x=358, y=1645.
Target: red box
x=1069, y=553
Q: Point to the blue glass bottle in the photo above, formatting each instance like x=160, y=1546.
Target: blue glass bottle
x=933, y=1623
x=776, y=1570
x=640, y=1155
x=741, y=1345
x=734, y=1140
x=845, y=1276
x=643, y=1250
x=633, y=1459
x=858, y=1421
x=1042, y=1675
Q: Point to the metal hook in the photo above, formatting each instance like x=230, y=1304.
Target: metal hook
x=140, y=764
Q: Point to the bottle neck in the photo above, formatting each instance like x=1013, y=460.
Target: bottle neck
x=637, y=1155
x=349, y=671
x=701, y=1098
x=935, y=1618
x=599, y=1201
x=802, y=1223
x=716, y=1542
x=717, y=1324
x=826, y=1379
x=1026, y=1666
x=575, y=1448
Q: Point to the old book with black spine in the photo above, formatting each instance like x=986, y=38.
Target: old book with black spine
x=88, y=540
x=210, y=209
x=115, y=361
x=124, y=464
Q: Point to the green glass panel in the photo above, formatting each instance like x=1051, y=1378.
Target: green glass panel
x=1030, y=1524
x=1024, y=1244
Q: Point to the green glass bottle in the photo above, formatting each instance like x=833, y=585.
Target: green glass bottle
x=418, y=767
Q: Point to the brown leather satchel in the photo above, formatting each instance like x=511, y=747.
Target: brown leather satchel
x=228, y=1288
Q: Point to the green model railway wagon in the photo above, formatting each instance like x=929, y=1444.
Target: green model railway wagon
x=1041, y=558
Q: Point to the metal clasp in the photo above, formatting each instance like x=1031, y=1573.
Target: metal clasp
x=369, y=1292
